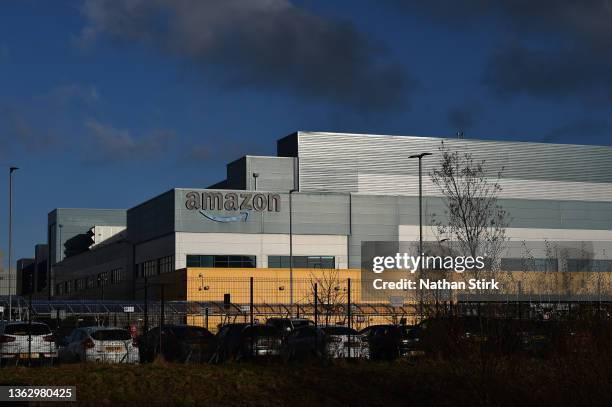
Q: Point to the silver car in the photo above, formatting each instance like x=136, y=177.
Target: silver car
x=14, y=337
x=99, y=344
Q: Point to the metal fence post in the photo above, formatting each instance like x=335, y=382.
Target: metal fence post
x=349, y=315
x=146, y=307
x=316, y=316
x=30, y=326
x=161, y=318
x=251, y=299
x=251, y=311
x=316, y=303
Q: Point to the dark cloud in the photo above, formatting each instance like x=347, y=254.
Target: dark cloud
x=219, y=151
x=464, y=117
x=583, y=129
x=110, y=144
x=562, y=73
x=268, y=44
x=559, y=48
x=36, y=123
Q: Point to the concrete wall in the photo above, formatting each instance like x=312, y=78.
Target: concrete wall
x=64, y=224
x=260, y=245
x=152, y=218
x=41, y=260
x=75, y=221
x=90, y=264
x=361, y=217
x=314, y=213
x=275, y=174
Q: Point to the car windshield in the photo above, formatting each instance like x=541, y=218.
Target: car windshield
x=301, y=322
x=406, y=329
x=261, y=330
x=26, y=329
x=279, y=323
x=339, y=330
x=111, y=335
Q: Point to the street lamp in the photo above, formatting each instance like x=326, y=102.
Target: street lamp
x=420, y=157
x=10, y=239
x=291, y=247
x=255, y=176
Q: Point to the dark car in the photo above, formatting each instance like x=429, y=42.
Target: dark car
x=287, y=325
x=245, y=341
x=330, y=342
x=179, y=343
x=388, y=342
x=456, y=335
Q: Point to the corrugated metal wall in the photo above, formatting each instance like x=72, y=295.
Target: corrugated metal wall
x=380, y=165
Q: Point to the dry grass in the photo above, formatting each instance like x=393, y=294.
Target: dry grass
x=579, y=381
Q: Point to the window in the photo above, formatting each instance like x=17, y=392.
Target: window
x=166, y=264
x=91, y=282
x=149, y=268
x=59, y=289
x=520, y=264
x=67, y=287
x=302, y=262
x=589, y=265
x=221, y=261
x=117, y=276
x=102, y=279
x=79, y=284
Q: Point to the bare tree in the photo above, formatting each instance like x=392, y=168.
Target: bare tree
x=331, y=293
x=473, y=221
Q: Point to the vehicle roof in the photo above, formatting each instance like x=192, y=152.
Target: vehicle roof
x=102, y=328
x=21, y=322
x=323, y=327
x=286, y=319
x=183, y=326
x=333, y=326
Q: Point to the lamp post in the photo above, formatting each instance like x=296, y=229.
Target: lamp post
x=291, y=248
x=10, y=240
x=420, y=157
x=255, y=176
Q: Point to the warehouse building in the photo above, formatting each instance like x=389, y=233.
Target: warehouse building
x=317, y=200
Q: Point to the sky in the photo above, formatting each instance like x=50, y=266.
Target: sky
x=105, y=103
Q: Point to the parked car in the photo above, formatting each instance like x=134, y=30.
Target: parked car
x=331, y=342
x=14, y=347
x=99, y=344
x=179, y=343
x=389, y=342
x=242, y=341
x=458, y=335
x=287, y=325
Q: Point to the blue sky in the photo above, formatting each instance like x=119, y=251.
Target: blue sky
x=107, y=103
